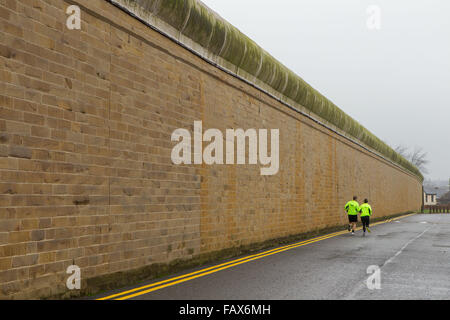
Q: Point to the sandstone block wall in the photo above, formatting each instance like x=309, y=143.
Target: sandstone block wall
x=86, y=178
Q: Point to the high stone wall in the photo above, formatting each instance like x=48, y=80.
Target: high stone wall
x=86, y=176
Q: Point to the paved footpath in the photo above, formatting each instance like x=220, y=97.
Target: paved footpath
x=413, y=254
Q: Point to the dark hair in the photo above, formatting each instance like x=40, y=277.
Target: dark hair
x=355, y=197
x=366, y=201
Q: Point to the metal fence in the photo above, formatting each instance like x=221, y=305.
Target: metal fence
x=443, y=208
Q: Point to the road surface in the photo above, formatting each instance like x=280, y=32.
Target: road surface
x=412, y=254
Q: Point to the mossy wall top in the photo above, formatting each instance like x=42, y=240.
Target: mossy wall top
x=201, y=29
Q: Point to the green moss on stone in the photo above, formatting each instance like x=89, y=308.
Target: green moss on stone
x=200, y=25
x=234, y=49
x=218, y=37
x=251, y=60
x=174, y=12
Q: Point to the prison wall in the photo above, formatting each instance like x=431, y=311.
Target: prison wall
x=86, y=176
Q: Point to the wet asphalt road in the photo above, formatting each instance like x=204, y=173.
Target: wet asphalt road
x=413, y=255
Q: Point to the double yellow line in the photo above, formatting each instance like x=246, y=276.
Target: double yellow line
x=203, y=272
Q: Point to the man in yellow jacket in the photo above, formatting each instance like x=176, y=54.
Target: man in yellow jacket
x=352, y=208
x=366, y=211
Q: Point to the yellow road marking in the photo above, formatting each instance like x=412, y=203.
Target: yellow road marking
x=215, y=270
x=226, y=265
x=220, y=265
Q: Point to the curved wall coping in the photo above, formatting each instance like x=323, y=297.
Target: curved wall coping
x=202, y=31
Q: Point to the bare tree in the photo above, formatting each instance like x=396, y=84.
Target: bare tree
x=402, y=150
x=417, y=157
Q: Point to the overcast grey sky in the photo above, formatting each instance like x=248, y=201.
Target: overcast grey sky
x=395, y=81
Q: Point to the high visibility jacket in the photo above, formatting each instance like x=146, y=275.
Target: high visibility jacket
x=352, y=207
x=365, y=209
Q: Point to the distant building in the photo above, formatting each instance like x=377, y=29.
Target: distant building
x=440, y=187
x=429, y=198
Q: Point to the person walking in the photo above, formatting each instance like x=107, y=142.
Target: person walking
x=352, y=208
x=366, y=211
